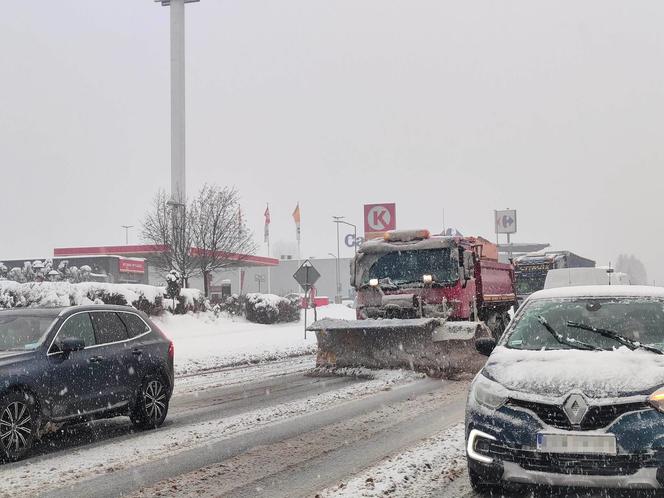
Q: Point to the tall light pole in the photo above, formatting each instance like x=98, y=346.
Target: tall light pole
x=127, y=227
x=338, y=220
x=338, y=282
x=354, y=232
x=337, y=298
x=178, y=178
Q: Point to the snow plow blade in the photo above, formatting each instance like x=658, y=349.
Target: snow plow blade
x=431, y=345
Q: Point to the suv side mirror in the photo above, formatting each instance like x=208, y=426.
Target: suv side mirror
x=70, y=344
x=485, y=346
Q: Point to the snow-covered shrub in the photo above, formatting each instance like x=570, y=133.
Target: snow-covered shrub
x=147, y=298
x=268, y=308
x=173, y=292
x=233, y=305
x=106, y=297
x=289, y=310
x=151, y=308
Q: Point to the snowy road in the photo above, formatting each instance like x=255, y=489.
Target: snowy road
x=281, y=434
x=268, y=430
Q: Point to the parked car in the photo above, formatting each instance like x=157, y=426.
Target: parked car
x=63, y=366
x=573, y=393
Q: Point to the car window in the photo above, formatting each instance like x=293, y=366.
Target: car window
x=637, y=319
x=108, y=327
x=135, y=324
x=21, y=332
x=78, y=326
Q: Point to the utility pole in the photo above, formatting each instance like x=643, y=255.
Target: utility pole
x=127, y=227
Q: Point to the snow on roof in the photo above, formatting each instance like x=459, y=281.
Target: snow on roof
x=600, y=291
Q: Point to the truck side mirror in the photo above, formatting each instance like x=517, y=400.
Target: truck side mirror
x=468, y=265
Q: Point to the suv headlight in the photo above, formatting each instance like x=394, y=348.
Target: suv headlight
x=489, y=393
x=656, y=399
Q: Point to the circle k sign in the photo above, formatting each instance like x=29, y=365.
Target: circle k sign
x=379, y=218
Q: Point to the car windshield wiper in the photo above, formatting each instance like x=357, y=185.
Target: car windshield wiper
x=573, y=343
x=615, y=336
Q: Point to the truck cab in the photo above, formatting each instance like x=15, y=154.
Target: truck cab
x=411, y=274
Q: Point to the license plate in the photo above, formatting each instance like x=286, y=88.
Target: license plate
x=604, y=444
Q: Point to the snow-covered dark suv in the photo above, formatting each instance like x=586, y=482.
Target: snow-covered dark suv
x=68, y=365
x=573, y=394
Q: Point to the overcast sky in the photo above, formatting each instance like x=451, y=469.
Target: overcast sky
x=553, y=108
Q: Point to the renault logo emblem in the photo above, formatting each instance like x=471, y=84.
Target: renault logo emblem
x=575, y=407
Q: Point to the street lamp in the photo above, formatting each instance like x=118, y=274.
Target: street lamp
x=337, y=298
x=127, y=227
x=338, y=220
x=354, y=232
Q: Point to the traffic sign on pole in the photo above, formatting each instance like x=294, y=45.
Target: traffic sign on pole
x=306, y=275
x=505, y=221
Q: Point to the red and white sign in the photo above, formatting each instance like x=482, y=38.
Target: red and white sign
x=378, y=219
x=131, y=265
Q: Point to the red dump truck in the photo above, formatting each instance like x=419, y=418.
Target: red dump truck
x=422, y=301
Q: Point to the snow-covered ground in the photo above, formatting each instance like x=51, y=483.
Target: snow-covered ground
x=204, y=341
x=417, y=472
x=86, y=462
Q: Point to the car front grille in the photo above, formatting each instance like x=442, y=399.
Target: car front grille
x=597, y=416
x=601, y=416
x=573, y=464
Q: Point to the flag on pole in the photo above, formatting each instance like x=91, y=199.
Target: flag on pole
x=296, y=218
x=240, y=221
x=266, y=237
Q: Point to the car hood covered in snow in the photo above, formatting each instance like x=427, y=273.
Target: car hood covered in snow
x=597, y=374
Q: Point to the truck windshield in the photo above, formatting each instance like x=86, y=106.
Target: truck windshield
x=22, y=332
x=409, y=266
x=636, y=319
x=530, y=279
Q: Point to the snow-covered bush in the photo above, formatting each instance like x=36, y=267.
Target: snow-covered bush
x=269, y=308
x=289, y=310
x=173, y=289
x=147, y=298
x=233, y=305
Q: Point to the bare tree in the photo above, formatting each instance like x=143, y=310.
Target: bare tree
x=167, y=226
x=219, y=237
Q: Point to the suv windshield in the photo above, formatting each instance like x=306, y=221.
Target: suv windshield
x=636, y=319
x=409, y=266
x=19, y=332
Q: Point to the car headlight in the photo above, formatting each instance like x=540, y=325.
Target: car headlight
x=489, y=393
x=656, y=399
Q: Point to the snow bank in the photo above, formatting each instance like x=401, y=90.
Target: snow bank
x=204, y=341
x=418, y=472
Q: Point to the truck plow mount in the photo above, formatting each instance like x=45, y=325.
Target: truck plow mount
x=438, y=347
